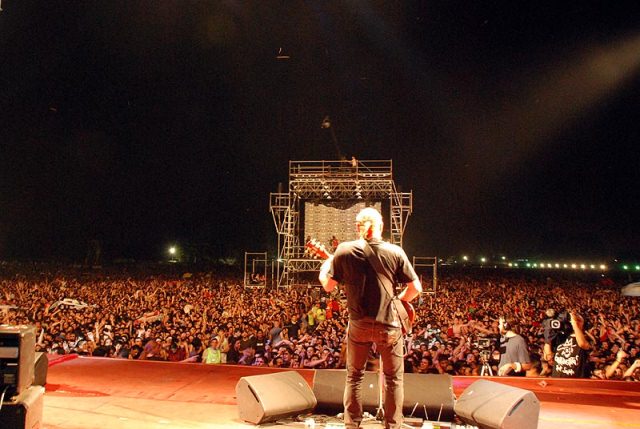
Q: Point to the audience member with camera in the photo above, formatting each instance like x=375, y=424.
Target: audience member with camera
x=566, y=346
x=514, y=354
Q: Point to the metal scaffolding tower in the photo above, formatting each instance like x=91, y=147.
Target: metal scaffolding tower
x=370, y=181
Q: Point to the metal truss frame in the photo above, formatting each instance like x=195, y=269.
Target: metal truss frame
x=428, y=262
x=255, y=263
x=331, y=181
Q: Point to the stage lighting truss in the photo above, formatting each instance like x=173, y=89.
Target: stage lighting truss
x=331, y=182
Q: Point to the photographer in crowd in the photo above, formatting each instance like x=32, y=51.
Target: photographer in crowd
x=566, y=346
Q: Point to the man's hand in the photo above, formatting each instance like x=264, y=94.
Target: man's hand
x=621, y=355
x=505, y=369
x=328, y=283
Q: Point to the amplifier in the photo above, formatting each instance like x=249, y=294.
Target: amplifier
x=24, y=411
x=17, y=358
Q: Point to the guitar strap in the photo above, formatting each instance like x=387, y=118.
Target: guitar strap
x=387, y=282
x=383, y=276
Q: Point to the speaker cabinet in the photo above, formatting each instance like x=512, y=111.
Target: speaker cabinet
x=25, y=411
x=17, y=358
x=428, y=396
x=328, y=387
x=269, y=397
x=40, y=370
x=491, y=405
x=430, y=392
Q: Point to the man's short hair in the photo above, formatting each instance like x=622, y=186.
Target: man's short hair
x=369, y=214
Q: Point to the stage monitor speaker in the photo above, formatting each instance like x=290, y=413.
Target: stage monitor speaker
x=430, y=392
x=328, y=387
x=491, y=405
x=17, y=358
x=25, y=411
x=428, y=396
x=40, y=370
x=269, y=397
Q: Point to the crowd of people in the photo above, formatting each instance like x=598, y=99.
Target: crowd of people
x=212, y=318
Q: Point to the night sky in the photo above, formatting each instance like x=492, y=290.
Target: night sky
x=139, y=124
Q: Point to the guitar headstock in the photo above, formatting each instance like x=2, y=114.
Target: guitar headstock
x=316, y=249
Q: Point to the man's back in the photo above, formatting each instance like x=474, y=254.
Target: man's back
x=366, y=295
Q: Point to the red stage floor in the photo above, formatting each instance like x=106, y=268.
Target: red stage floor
x=88, y=393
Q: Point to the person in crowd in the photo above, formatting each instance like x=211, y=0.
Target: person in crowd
x=212, y=354
x=571, y=356
x=235, y=353
x=514, y=353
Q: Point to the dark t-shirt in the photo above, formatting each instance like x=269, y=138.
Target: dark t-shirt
x=233, y=355
x=366, y=296
x=570, y=360
x=260, y=344
x=294, y=329
x=245, y=343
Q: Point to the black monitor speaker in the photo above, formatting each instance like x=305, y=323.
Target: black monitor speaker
x=269, y=397
x=490, y=405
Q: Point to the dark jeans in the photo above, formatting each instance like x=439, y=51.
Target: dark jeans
x=361, y=335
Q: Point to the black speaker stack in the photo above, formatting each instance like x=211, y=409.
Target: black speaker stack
x=21, y=399
x=428, y=400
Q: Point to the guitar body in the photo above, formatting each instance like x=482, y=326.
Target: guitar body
x=411, y=316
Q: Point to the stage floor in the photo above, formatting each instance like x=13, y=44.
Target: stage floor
x=96, y=393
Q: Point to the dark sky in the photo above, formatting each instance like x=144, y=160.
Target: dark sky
x=515, y=124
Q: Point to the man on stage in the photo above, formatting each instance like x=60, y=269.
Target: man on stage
x=372, y=318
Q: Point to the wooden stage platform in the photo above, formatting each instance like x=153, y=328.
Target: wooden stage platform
x=96, y=393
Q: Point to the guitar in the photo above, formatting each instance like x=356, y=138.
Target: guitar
x=316, y=249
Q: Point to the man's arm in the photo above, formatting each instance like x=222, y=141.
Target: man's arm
x=629, y=372
x=327, y=282
x=580, y=337
x=611, y=369
x=412, y=290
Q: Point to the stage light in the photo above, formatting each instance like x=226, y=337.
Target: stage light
x=593, y=267
x=625, y=267
x=565, y=266
x=516, y=264
x=510, y=264
x=583, y=266
x=637, y=267
x=557, y=265
x=603, y=267
x=528, y=264
x=465, y=258
x=483, y=259
x=172, y=250
x=574, y=266
x=504, y=258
